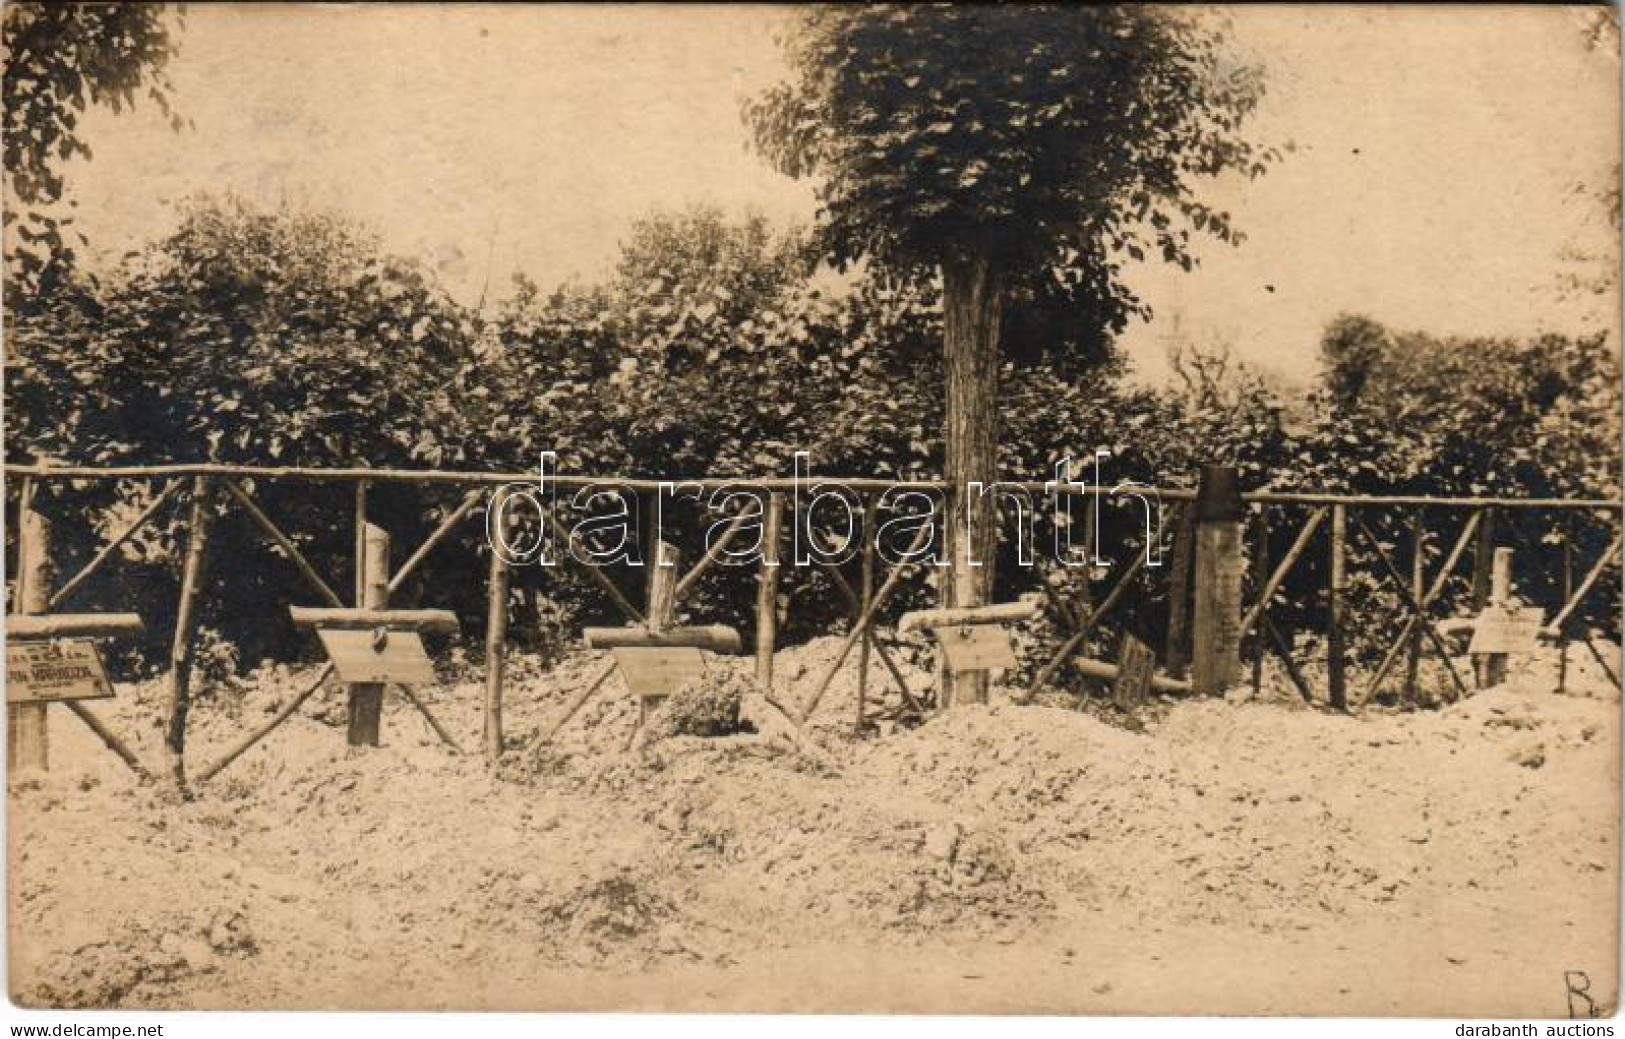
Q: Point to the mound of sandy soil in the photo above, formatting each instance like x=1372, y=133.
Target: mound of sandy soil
x=1002, y=842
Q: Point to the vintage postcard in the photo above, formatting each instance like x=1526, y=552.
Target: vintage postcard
x=952, y=509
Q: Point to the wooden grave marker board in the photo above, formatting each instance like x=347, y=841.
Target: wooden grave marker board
x=360, y=657
x=651, y=672
x=976, y=647
x=1506, y=630
x=49, y=672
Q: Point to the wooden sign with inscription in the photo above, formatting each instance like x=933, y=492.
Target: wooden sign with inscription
x=976, y=647
x=655, y=671
x=1507, y=630
x=1134, y=660
x=63, y=669
x=361, y=656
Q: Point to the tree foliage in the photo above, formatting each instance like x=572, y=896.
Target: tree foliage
x=1059, y=140
x=59, y=60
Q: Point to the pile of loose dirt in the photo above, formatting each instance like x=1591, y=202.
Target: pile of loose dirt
x=311, y=875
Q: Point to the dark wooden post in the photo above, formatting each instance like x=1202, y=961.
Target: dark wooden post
x=180, y=650
x=1216, y=660
x=1261, y=576
x=1568, y=590
x=1419, y=590
x=1483, y=552
x=496, y=636
x=27, y=738
x=1336, y=676
x=1177, y=651
x=866, y=595
x=767, y=591
x=366, y=708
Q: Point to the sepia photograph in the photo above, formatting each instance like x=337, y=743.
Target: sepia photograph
x=1050, y=510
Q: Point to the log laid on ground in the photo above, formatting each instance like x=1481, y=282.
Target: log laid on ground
x=63, y=625
x=718, y=638
x=998, y=613
x=1103, y=669
x=441, y=622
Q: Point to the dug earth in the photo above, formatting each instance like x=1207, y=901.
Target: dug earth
x=1219, y=857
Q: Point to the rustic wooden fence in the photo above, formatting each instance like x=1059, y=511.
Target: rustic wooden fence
x=1229, y=559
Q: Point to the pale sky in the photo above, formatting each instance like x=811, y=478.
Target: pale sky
x=1432, y=183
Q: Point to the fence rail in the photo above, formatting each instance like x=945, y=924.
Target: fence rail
x=1208, y=574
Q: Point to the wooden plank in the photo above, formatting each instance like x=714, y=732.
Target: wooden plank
x=1101, y=669
x=439, y=622
x=997, y=613
x=361, y=659
x=717, y=638
x=65, y=625
x=652, y=672
x=976, y=647
x=1501, y=630
x=46, y=672
x=1134, y=660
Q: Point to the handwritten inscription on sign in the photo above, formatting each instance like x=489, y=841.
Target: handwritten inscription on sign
x=976, y=647
x=65, y=669
x=1507, y=630
x=360, y=656
x=655, y=671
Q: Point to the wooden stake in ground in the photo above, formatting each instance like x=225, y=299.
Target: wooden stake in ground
x=366, y=708
x=1336, y=675
x=1216, y=660
x=767, y=591
x=1177, y=650
x=496, y=636
x=27, y=738
x=180, y=652
x=866, y=596
x=1419, y=588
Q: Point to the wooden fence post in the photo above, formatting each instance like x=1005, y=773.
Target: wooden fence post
x=1568, y=589
x=1483, y=551
x=1419, y=589
x=767, y=591
x=496, y=634
x=866, y=595
x=1261, y=576
x=180, y=650
x=366, y=707
x=360, y=541
x=1336, y=675
x=1177, y=650
x=27, y=738
x=1216, y=660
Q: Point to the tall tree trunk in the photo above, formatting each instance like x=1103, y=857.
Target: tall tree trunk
x=973, y=300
